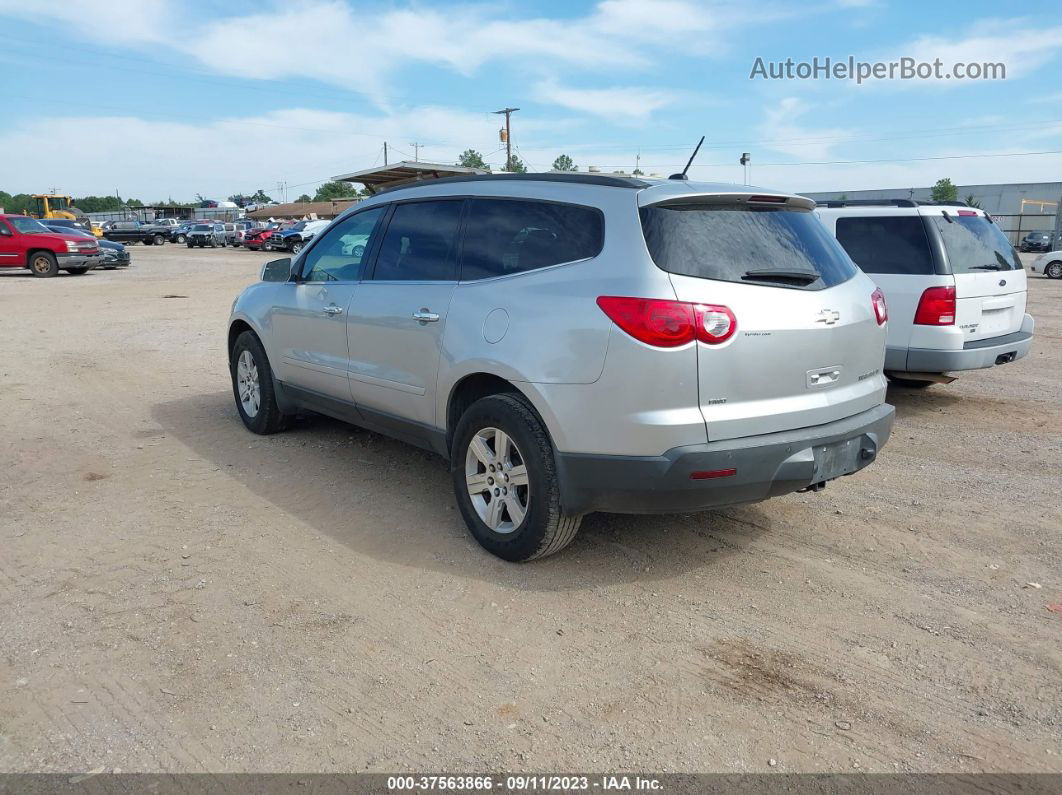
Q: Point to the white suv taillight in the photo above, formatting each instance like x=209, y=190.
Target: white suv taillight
x=881, y=309
x=669, y=324
x=936, y=307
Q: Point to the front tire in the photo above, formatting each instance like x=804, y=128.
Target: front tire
x=43, y=264
x=181, y=238
x=252, y=386
x=1053, y=270
x=505, y=480
x=77, y=271
x=296, y=247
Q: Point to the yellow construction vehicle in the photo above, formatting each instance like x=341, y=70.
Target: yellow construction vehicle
x=52, y=205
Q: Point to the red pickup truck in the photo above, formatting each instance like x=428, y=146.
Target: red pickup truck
x=27, y=243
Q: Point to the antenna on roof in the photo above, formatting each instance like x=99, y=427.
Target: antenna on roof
x=690, y=163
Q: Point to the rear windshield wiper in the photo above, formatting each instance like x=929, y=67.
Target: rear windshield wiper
x=985, y=268
x=783, y=276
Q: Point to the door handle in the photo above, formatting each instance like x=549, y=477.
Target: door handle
x=332, y=309
x=425, y=316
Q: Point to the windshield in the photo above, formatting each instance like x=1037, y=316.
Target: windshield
x=975, y=244
x=201, y=228
x=27, y=226
x=741, y=244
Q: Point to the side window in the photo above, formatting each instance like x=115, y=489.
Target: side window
x=339, y=255
x=884, y=244
x=420, y=243
x=506, y=236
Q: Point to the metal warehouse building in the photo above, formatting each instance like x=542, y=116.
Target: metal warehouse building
x=1018, y=207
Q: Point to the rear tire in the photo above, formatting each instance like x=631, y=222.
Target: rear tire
x=252, y=378
x=181, y=238
x=43, y=264
x=1053, y=270
x=523, y=482
x=158, y=240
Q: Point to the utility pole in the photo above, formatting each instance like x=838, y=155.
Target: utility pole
x=508, y=137
x=416, y=151
x=385, y=153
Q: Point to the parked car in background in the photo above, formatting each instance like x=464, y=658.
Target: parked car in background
x=65, y=223
x=242, y=228
x=955, y=285
x=230, y=234
x=1035, y=241
x=258, y=239
x=206, y=234
x=296, y=236
x=565, y=341
x=1049, y=264
x=112, y=255
x=136, y=232
x=179, y=233
x=26, y=243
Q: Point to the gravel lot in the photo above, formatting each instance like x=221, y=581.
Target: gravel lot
x=177, y=594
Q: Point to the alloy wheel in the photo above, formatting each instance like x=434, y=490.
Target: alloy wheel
x=497, y=480
x=247, y=383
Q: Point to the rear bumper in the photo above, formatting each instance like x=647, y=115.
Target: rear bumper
x=974, y=355
x=764, y=466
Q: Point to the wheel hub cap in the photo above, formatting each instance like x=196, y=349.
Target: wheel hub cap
x=247, y=384
x=496, y=477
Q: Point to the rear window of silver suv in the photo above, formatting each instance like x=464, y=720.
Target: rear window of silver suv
x=764, y=246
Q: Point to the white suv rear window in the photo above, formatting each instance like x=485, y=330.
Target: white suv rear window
x=975, y=244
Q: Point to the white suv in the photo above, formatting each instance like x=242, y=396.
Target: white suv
x=955, y=286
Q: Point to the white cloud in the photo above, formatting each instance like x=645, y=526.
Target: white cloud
x=623, y=105
x=330, y=41
x=236, y=155
x=1022, y=45
x=782, y=132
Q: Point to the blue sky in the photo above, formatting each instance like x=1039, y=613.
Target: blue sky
x=169, y=99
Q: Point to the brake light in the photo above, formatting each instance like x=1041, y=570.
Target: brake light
x=936, y=307
x=669, y=324
x=881, y=309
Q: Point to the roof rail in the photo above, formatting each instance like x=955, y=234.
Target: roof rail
x=932, y=202
x=868, y=203
x=584, y=179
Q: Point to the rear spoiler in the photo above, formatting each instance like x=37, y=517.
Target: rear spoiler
x=780, y=201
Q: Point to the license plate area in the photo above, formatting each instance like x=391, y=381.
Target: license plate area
x=837, y=459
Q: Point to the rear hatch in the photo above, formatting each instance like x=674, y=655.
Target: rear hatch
x=808, y=347
x=990, y=284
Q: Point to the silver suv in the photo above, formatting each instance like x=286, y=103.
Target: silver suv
x=577, y=343
x=955, y=285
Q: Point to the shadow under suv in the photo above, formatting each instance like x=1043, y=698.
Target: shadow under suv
x=577, y=343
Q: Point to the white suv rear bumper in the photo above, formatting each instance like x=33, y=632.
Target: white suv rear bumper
x=974, y=355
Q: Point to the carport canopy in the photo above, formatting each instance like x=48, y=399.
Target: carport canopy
x=405, y=172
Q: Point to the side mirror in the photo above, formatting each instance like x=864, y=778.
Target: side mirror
x=278, y=270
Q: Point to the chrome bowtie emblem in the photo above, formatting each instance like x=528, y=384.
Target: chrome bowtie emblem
x=828, y=316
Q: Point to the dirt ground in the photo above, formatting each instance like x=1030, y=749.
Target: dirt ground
x=178, y=595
